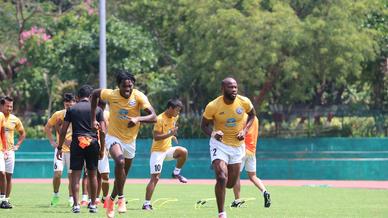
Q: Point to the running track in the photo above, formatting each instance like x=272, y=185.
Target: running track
x=313, y=183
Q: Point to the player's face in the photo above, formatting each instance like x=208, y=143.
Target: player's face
x=176, y=111
x=68, y=104
x=230, y=89
x=126, y=87
x=8, y=107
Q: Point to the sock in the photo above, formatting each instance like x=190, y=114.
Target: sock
x=56, y=194
x=71, y=199
x=120, y=197
x=222, y=214
x=237, y=200
x=85, y=197
x=147, y=202
x=177, y=171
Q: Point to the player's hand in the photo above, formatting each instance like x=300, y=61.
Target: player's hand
x=95, y=125
x=5, y=155
x=132, y=121
x=68, y=142
x=16, y=147
x=241, y=135
x=217, y=135
x=174, y=131
x=174, y=138
x=59, y=154
x=54, y=144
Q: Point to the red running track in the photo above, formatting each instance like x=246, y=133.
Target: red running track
x=310, y=183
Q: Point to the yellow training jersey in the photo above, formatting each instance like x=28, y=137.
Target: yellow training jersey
x=120, y=109
x=2, y=122
x=59, y=117
x=228, y=118
x=164, y=124
x=12, y=123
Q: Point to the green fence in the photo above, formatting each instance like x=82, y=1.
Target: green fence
x=296, y=158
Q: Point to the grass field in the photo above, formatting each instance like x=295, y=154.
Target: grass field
x=32, y=201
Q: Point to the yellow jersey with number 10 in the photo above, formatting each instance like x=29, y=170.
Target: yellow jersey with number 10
x=229, y=118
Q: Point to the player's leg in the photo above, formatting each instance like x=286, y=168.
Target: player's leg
x=180, y=154
x=237, y=187
x=103, y=178
x=9, y=168
x=105, y=184
x=91, y=159
x=156, y=165
x=150, y=190
x=76, y=176
x=221, y=172
x=85, y=188
x=58, y=169
x=3, y=183
x=66, y=164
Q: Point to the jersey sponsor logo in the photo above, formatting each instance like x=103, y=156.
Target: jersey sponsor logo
x=230, y=122
x=239, y=110
x=221, y=113
x=123, y=112
x=132, y=102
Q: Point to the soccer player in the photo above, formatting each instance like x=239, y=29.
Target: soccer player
x=223, y=120
x=11, y=124
x=125, y=104
x=85, y=146
x=249, y=162
x=3, y=180
x=103, y=164
x=53, y=123
x=165, y=130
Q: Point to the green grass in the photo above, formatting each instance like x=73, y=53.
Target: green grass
x=32, y=200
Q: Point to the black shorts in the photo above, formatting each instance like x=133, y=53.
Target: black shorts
x=79, y=156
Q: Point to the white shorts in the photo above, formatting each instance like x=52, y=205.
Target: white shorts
x=2, y=162
x=157, y=158
x=10, y=162
x=103, y=164
x=129, y=149
x=229, y=154
x=58, y=164
x=249, y=162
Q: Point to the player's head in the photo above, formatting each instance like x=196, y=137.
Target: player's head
x=85, y=91
x=174, y=107
x=101, y=104
x=68, y=100
x=6, y=105
x=229, y=88
x=125, y=81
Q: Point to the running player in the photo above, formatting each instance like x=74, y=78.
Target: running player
x=125, y=104
x=165, y=129
x=3, y=180
x=223, y=120
x=53, y=123
x=12, y=123
x=249, y=162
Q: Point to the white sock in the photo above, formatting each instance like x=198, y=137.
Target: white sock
x=71, y=198
x=85, y=197
x=147, y=202
x=222, y=214
x=177, y=171
x=2, y=197
x=237, y=200
x=56, y=194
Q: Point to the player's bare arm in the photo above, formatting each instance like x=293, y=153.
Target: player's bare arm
x=95, y=97
x=251, y=118
x=48, y=130
x=206, y=126
x=62, y=135
x=22, y=136
x=149, y=118
x=160, y=136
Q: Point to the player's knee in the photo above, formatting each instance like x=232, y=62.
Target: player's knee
x=120, y=162
x=57, y=174
x=105, y=177
x=222, y=179
x=230, y=184
x=105, y=181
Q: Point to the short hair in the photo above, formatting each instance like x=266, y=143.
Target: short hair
x=5, y=98
x=174, y=103
x=68, y=97
x=124, y=75
x=85, y=91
